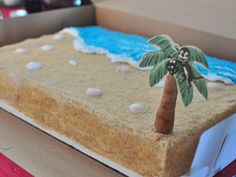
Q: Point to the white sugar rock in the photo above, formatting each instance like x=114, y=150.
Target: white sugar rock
x=48, y=47
x=123, y=69
x=137, y=107
x=93, y=92
x=34, y=66
x=59, y=36
x=21, y=50
x=73, y=62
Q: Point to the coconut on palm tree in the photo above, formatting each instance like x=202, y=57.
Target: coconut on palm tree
x=176, y=64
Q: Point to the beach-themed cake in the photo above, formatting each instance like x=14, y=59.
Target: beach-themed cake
x=85, y=83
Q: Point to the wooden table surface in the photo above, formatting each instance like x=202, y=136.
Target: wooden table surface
x=44, y=156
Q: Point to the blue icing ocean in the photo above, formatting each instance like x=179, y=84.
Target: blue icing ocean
x=121, y=47
x=219, y=69
x=116, y=43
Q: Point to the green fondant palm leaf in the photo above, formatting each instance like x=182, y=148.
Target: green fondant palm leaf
x=162, y=41
x=152, y=58
x=165, y=43
x=196, y=55
x=157, y=73
x=185, y=89
x=199, y=83
x=170, y=50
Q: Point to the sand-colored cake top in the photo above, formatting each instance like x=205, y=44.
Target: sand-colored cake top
x=55, y=65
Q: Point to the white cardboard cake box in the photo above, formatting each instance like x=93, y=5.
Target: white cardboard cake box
x=200, y=23
x=216, y=145
x=216, y=149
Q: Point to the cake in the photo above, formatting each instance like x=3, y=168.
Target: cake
x=106, y=107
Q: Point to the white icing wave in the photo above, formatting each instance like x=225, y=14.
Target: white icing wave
x=212, y=85
x=226, y=76
x=224, y=68
x=216, y=78
x=72, y=31
x=59, y=36
x=81, y=46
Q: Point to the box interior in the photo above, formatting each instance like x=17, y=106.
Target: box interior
x=199, y=23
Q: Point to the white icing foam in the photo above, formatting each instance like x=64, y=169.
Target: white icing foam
x=34, y=66
x=212, y=85
x=137, y=107
x=123, y=69
x=72, y=31
x=228, y=74
x=59, y=36
x=80, y=45
x=224, y=68
x=21, y=50
x=93, y=92
x=48, y=47
x=73, y=62
x=215, y=78
x=122, y=58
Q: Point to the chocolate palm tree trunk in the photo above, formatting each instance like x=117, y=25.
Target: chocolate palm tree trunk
x=164, y=121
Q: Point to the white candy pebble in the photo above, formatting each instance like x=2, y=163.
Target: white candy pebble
x=136, y=107
x=212, y=85
x=21, y=50
x=123, y=69
x=47, y=47
x=59, y=36
x=73, y=62
x=34, y=66
x=93, y=92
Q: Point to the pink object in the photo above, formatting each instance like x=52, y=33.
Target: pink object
x=7, y=10
x=229, y=171
x=10, y=169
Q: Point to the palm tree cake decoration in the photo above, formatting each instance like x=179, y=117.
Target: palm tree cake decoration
x=176, y=64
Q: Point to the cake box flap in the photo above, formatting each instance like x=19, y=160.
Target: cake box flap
x=216, y=149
